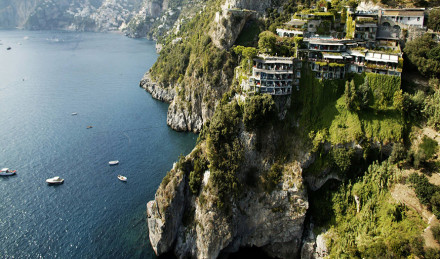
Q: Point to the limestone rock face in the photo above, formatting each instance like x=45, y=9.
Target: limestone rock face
x=157, y=92
x=229, y=22
x=165, y=213
x=228, y=25
x=190, y=113
x=255, y=5
x=314, y=246
x=181, y=120
x=270, y=220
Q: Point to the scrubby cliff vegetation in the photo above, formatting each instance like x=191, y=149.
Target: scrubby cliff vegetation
x=344, y=168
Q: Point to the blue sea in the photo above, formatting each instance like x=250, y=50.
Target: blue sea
x=44, y=78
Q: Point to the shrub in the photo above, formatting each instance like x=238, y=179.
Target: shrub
x=225, y=151
x=196, y=176
x=432, y=110
x=272, y=178
x=428, y=147
x=423, y=53
x=267, y=42
x=434, y=20
x=436, y=232
x=398, y=153
x=258, y=110
x=342, y=158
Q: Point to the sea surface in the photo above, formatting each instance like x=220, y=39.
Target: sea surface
x=44, y=78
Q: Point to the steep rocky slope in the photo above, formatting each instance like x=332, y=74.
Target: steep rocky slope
x=259, y=211
x=202, y=66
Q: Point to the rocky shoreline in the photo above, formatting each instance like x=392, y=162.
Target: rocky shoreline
x=178, y=118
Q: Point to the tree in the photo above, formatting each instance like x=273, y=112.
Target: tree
x=432, y=110
x=363, y=95
x=349, y=27
x=350, y=95
x=258, y=110
x=398, y=100
x=267, y=42
x=424, y=53
x=434, y=20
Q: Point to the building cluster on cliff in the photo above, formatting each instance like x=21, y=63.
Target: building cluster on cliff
x=351, y=41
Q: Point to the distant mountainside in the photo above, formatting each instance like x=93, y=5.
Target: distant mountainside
x=138, y=18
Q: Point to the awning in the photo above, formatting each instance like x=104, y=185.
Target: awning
x=332, y=56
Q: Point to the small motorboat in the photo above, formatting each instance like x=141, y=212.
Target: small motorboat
x=8, y=48
x=122, y=178
x=89, y=127
x=74, y=113
x=115, y=162
x=6, y=171
x=55, y=180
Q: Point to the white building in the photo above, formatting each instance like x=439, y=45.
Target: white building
x=402, y=17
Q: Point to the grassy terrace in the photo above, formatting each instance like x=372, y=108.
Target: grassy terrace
x=323, y=108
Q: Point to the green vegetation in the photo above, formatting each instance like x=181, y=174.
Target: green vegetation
x=432, y=110
x=381, y=227
x=267, y=42
x=434, y=19
x=246, y=54
x=370, y=114
x=196, y=175
x=436, y=232
x=427, y=193
x=225, y=152
x=195, y=57
x=249, y=35
x=424, y=53
x=349, y=27
x=272, y=178
x=258, y=110
x=428, y=147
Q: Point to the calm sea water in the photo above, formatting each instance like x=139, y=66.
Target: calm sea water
x=43, y=79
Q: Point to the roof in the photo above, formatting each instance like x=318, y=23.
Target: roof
x=290, y=31
x=296, y=22
x=332, y=56
x=382, y=57
x=403, y=12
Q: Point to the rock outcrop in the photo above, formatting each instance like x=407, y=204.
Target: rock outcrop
x=272, y=220
x=157, y=92
x=188, y=114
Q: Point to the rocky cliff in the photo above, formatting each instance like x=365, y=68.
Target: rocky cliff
x=137, y=18
x=202, y=67
x=193, y=225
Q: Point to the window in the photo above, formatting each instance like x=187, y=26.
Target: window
x=409, y=18
x=418, y=19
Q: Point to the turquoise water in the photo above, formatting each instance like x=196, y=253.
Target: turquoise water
x=43, y=79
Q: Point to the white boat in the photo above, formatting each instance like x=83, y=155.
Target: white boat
x=74, y=113
x=6, y=171
x=115, y=162
x=55, y=180
x=122, y=178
